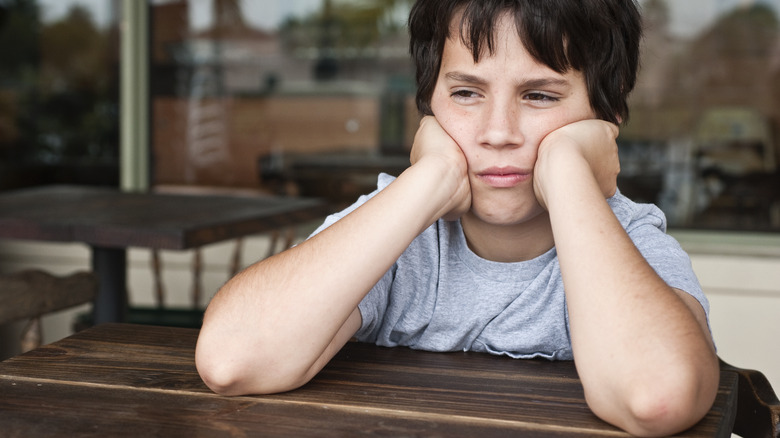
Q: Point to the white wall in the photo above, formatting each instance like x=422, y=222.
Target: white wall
x=744, y=294
x=742, y=282
x=177, y=277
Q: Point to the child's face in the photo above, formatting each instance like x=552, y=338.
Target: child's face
x=498, y=111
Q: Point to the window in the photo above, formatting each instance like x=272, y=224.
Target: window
x=242, y=89
x=702, y=142
x=58, y=93
x=296, y=96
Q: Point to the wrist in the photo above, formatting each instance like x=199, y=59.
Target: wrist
x=561, y=175
x=443, y=181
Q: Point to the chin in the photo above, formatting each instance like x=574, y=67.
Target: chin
x=508, y=218
x=505, y=212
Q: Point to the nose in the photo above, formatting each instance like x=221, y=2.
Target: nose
x=500, y=125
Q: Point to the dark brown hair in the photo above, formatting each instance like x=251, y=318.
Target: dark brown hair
x=599, y=38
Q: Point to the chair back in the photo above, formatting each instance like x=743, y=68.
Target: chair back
x=758, y=409
x=31, y=294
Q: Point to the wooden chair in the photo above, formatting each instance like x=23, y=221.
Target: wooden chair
x=758, y=409
x=32, y=293
x=285, y=236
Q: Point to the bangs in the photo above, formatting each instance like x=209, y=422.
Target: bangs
x=533, y=24
x=599, y=38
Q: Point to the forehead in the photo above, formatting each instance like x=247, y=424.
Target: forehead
x=498, y=45
x=480, y=37
x=482, y=29
x=509, y=67
x=503, y=45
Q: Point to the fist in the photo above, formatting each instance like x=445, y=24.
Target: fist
x=592, y=142
x=434, y=147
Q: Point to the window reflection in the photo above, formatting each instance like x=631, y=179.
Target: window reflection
x=299, y=96
x=58, y=93
x=702, y=140
x=243, y=89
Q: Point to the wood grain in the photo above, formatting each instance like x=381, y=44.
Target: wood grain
x=32, y=293
x=145, y=376
x=109, y=218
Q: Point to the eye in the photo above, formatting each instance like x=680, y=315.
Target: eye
x=464, y=95
x=540, y=97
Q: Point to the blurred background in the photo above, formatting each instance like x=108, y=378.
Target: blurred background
x=313, y=97
x=240, y=92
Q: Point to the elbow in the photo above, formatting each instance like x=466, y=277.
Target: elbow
x=235, y=371
x=220, y=376
x=663, y=406
x=662, y=413
x=219, y=381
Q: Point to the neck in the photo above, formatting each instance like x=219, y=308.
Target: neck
x=508, y=243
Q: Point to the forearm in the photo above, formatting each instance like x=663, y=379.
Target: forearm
x=638, y=347
x=269, y=327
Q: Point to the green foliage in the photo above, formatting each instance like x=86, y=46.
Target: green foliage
x=58, y=87
x=346, y=26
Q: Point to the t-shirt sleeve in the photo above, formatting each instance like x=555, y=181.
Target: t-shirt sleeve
x=373, y=308
x=646, y=226
x=383, y=180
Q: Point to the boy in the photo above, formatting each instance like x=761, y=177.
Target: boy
x=506, y=234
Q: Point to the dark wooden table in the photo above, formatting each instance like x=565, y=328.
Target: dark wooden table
x=126, y=380
x=110, y=221
x=340, y=177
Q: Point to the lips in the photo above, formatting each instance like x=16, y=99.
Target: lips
x=504, y=177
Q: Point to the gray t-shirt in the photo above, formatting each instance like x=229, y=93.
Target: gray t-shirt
x=441, y=296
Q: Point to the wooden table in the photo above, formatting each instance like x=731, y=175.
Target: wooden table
x=109, y=221
x=126, y=380
x=341, y=177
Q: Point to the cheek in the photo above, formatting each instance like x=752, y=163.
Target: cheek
x=543, y=129
x=459, y=128
x=438, y=101
x=536, y=129
x=453, y=119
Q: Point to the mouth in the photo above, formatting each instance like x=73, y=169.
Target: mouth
x=504, y=177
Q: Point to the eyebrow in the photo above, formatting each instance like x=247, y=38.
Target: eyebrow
x=545, y=82
x=529, y=83
x=465, y=77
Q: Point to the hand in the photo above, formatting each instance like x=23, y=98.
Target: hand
x=433, y=145
x=592, y=140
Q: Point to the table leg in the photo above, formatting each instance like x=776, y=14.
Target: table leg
x=110, y=264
